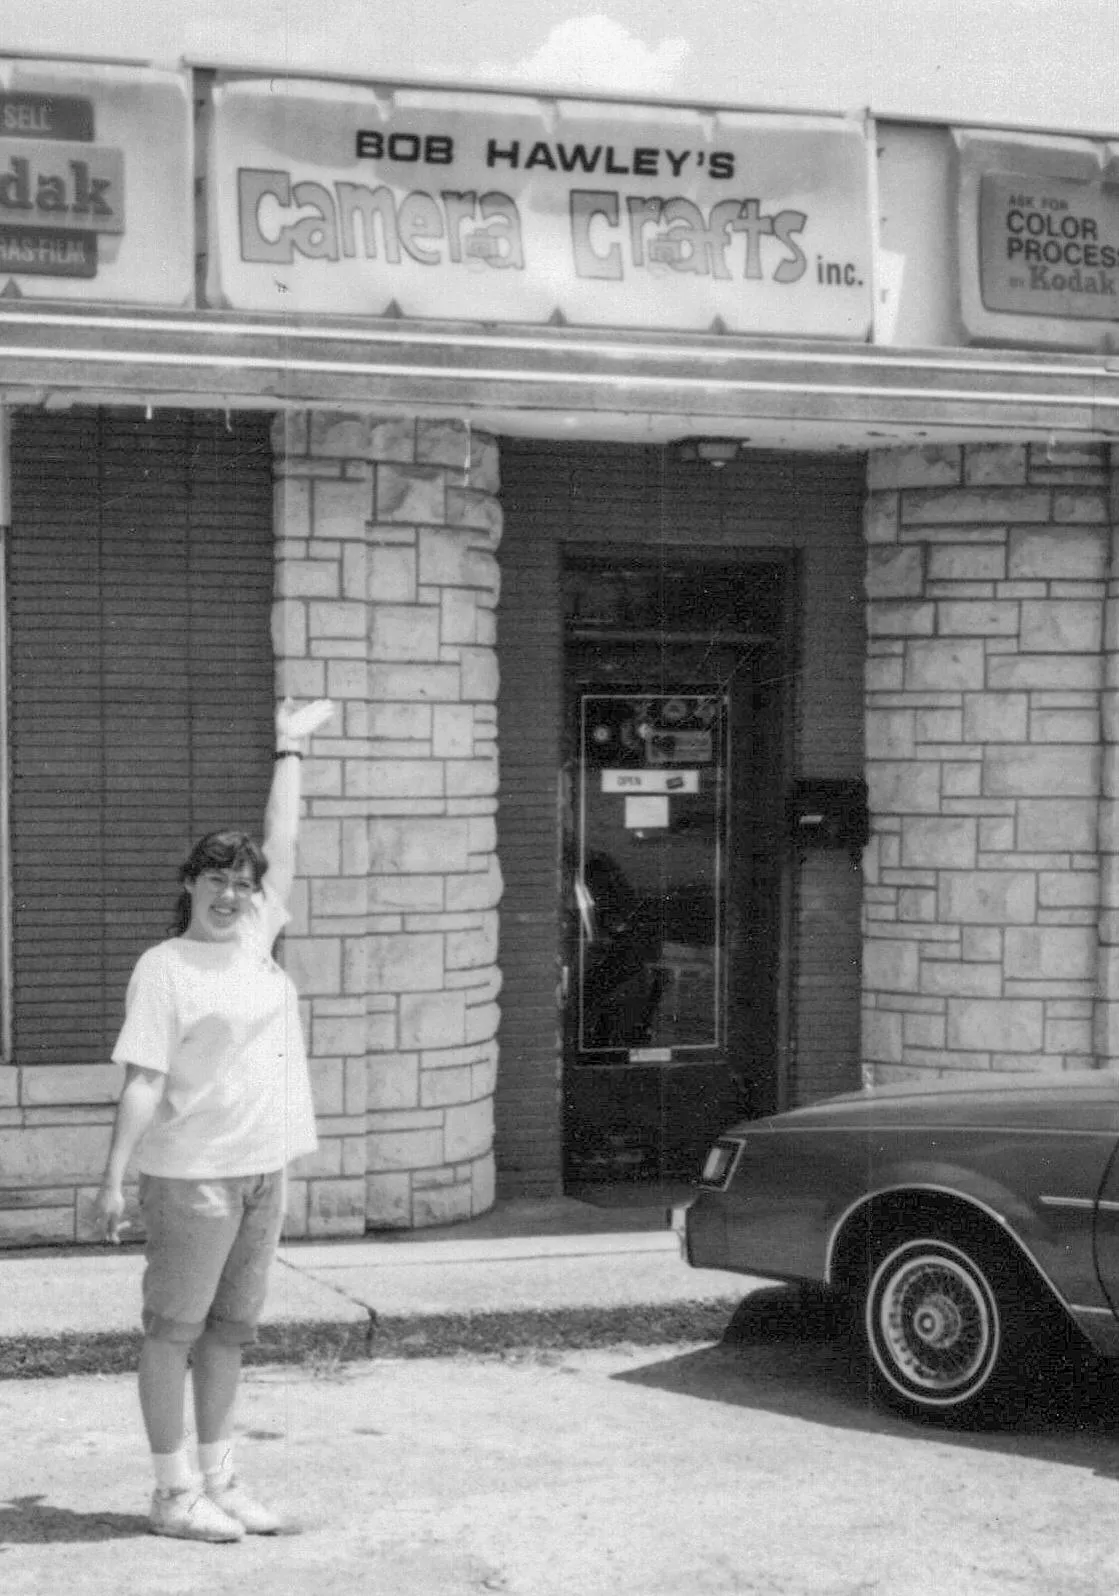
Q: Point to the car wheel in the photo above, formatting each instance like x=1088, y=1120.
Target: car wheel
x=940, y=1322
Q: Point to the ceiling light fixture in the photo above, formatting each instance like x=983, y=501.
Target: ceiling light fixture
x=715, y=452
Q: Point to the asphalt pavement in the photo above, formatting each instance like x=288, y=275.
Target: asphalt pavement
x=537, y=1403
x=556, y=1272
x=755, y=1469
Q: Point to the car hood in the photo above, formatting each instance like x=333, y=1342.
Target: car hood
x=1079, y=1099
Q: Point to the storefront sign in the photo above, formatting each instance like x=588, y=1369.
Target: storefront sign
x=333, y=199
x=95, y=184
x=1049, y=247
x=1039, y=230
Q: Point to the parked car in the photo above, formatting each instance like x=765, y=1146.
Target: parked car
x=969, y=1221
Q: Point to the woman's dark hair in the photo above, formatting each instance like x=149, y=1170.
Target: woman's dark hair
x=217, y=850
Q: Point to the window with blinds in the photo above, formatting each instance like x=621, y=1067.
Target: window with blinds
x=140, y=573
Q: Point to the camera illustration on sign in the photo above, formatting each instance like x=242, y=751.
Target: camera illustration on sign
x=341, y=199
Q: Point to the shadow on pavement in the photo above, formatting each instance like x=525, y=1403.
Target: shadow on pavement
x=790, y=1352
x=32, y=1521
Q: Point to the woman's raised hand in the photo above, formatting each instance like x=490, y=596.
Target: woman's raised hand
x=296, y=725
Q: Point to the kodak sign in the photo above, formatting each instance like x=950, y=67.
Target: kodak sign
x=59, y=190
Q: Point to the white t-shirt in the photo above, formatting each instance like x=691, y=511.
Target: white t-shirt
x=221, y=1021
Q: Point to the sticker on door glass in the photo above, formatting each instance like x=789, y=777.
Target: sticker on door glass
x=643, y=731
x=646, y=813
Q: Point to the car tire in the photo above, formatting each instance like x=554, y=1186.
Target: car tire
x=944, y=1327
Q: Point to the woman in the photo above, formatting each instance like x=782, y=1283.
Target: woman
x=216, y=1101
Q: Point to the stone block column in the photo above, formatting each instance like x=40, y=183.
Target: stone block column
x=985, y=586
x=387, y=583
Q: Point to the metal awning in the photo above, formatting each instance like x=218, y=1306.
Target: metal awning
x=558, y=381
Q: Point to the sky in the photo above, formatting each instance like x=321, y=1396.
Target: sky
x=1043, y=63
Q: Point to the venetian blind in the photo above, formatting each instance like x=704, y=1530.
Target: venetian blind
x=140, y=584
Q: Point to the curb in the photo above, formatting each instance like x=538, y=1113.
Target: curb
x=118, y=1351
x=391, y=1336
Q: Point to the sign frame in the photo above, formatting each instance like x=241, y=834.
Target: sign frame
x=1038, y=229
x=96, y=184
x=335, y=199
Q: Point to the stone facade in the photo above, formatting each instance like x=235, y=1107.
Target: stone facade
x=386, y=583
x=990, y=761
x=991, y=883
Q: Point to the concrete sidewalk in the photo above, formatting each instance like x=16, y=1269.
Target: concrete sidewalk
x=551, y=1273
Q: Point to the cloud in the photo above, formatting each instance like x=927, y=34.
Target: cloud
x=593, y=52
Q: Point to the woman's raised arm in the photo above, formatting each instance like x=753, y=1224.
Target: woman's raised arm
x=294, y=730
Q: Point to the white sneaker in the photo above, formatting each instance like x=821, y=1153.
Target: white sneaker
x=190, y=1515
x=236, y=1503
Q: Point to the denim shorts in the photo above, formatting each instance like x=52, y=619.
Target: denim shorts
x=210, y=1244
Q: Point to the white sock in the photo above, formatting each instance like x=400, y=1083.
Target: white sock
x=215, y=1459
x=172, y=1470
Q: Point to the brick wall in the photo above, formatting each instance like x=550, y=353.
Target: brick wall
x=386, y=586
x=985, y=674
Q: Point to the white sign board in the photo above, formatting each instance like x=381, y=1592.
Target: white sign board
x=96, y=184
x=1039, y=239
x=646, y=813
x=331, y=198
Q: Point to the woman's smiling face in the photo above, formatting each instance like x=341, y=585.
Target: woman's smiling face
x=218, y=898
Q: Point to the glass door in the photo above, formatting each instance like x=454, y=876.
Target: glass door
x=672, y=859
x=649, y=884
x=672, y=885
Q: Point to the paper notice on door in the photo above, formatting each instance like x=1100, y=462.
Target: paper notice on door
x=646, y=812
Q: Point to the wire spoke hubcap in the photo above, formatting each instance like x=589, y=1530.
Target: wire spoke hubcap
x=936, y=1323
